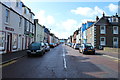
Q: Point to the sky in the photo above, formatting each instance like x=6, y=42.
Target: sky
x=63, y=18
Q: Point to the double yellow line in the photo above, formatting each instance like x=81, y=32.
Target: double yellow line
x=6, y=64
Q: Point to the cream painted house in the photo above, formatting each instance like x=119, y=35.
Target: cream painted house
x=39, y=34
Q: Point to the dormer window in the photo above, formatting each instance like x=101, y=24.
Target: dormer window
x=114, y=19
x=17, y=4
x=26, y=11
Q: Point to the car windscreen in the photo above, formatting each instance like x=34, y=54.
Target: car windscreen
x=89, y=46
x=34, y=46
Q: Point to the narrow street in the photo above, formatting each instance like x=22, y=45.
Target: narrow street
x=62, y=62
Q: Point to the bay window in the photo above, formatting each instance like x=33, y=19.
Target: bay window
x=2, y=41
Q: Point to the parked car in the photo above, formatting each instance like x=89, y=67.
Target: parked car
x=36, y=48
x=76, y=46
x=86, y=48
x=47, y=47
x=52, y=45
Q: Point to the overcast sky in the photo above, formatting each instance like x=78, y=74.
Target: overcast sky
x=63, y=18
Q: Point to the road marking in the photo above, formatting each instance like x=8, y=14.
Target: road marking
x=11, y=62
x=64, y=60
x=111, y=57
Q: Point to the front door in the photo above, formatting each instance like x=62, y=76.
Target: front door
x=9, y=42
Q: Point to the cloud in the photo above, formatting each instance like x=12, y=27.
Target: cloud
x=50, y=20
x=69, y=24
x=113, y=8
x=41, y=17
x=65, y=28
x=45, y=19
x=88, y=12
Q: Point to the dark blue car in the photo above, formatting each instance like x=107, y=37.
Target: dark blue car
x=36, y=48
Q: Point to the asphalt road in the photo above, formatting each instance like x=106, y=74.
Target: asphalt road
x=62, y=62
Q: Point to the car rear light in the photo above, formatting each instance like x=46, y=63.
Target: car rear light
x=85, y=48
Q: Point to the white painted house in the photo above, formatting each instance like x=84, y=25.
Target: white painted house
x=16, y=26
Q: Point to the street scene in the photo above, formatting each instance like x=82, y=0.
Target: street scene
x=64, y=62
x=59, y=40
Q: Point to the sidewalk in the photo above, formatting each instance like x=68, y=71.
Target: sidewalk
x=113, y=54
x=12, y=56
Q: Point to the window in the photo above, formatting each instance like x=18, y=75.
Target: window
x=115, y=42
x=102, y=41
x=7, y=16
x=14, y=41
x=102, y=29
x=33, y=29
x=20, y=23
x=114, y=19
x=27, y=26
x=24, y=10
x=2, y=40
x=90, y=30
x=17, y=3
x=115, y=29
x=30, y=27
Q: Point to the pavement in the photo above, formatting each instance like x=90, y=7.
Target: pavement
x=113, y=54
x=7, y=57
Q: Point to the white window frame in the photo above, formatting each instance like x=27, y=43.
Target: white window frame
x=103, y=31
x=115, y=32
x=113, y=41
x=7, y=16
x=20, y=23
x=27, y=23
x=103, y=43
x=116, y=19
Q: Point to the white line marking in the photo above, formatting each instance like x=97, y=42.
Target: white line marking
x=111, y=57
x=64, y=60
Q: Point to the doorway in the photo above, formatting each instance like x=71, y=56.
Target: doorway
x=9, y=42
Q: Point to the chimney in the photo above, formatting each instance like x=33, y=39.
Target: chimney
x=103, y=14
x=36, y=20
x=116, y=15
x=97, y=18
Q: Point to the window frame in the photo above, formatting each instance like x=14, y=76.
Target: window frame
x=103, y=31
x=7, y=15
x=117, y=41
x=115, y=32
x=103, y=43
x=20, y=23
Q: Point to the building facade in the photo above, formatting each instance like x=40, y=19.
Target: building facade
x=107, y=32
x=39, y=31
x=15, y=26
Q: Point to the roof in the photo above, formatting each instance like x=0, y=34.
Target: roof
x=105, y=20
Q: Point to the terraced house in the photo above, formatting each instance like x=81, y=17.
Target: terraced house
x=17, y=24
x=105, y=32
